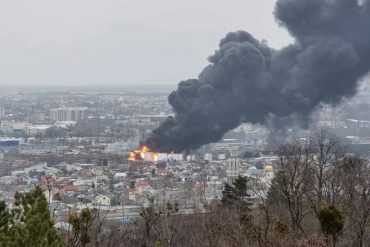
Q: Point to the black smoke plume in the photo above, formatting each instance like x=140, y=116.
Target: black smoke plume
x=247, y=81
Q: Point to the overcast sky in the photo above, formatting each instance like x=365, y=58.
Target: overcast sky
x=97, y=42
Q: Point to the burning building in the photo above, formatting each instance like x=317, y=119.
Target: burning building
x=139, y=154
x=144, y=153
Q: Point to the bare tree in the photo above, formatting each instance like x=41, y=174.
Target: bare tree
x=356, y=186
x=326, y=153
x=167, y=224
x=212, y=226
x=149, y=216
x=294, y=179
x=263, y=216
x=91, y=227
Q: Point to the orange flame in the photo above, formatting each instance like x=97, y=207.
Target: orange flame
x=155, y=157
x=139, y=154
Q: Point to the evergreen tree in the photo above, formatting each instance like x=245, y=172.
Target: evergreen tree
x=82, y=225
x=240, y=187
x=4, y=217
x=332, y=222
x=236, y=193
x=29, y=223
x=275, y=193
x=228, y=195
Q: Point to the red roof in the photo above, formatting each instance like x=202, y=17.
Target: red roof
x=163, y=171
x=68, y=187
x=141, y=183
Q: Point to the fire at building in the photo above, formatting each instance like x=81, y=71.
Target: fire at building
x=144, y=153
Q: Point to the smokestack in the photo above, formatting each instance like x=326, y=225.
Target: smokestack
x=249, y=82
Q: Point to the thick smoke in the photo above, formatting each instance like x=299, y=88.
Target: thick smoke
x=247, y=81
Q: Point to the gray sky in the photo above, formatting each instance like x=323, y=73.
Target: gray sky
x=84, y=42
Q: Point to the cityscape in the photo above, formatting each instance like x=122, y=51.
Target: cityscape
x=185, y=124
x=80, y=146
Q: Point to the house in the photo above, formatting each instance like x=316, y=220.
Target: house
x=163, y=172
x=141, y=183
x=70, y=188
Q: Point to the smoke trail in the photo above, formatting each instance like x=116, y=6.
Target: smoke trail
x=247, y=81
